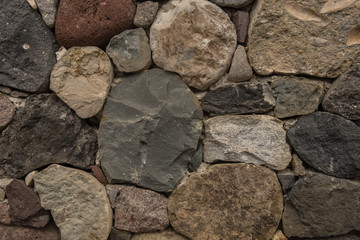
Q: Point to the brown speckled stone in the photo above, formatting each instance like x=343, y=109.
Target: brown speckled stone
x=25, y=233
x=98, y=173
x=7, y=110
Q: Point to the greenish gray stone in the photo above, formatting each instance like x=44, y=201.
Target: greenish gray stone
x=197, y=159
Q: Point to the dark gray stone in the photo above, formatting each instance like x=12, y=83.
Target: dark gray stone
x=320, y=206
x=43, y=132
x=27, y=47
x=242, y=98
x=287, y=179
x=116, y=234
x=197, y=159
x=149, y=131
x=232, y=3
x=241, y=22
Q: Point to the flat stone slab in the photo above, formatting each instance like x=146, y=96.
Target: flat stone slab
x=232, y=3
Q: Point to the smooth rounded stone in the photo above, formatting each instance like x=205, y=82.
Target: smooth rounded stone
x=256, y=139
x=116, y=234
x=130, y=51
x=241, y=22
x=148, y=138
x=45, y=131
x=343, y=97
x=163, y=235
x=231, y=201
x=27, y=47
x=303, y=37
x=92, y=23
x=5, y=217
x=7, y=110
x=145, y=14
x=242, y=98
x=328, y=143
x=48, y=10
x=232, y=3
x=320, y=206
x=240, y=69
x=296, y=95
x=82, y=78
x=78, y=202
x=26, y=233
x=194, y=38
x=140, y=210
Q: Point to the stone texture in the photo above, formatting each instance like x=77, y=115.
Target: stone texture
x=148, y=138
x=145, y=14
x=140, y=210
x=48, y=10
x=349, y=236
x=27, y=47
x=303, y=37
x=195, y=39
x=296, y=95
x=113, y=191
x=287, y=179
x=328, y=142
x=46, y=131
x=239, y=201
x=241, y=22
x=197, y=159
x=163, y=235
x=3, y=184
x=259, y=140
x=130, y=51
x=279, y=236
x=240, y=69
x=92, y=23
x=29, y=179
x=297, y=165
x=232, y=3
x=5, y=217
x=78, y=202
x=25, y=233
x=343, y=97
x=119, y=235
x=321, y=206
x=32, y=4
x=82, y=78
x=242, y=98
x=99, y=175
x=7, y=110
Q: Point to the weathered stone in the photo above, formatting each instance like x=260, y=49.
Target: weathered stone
x=19, y=94
x=163, y=235
x=302, y=37
x=99, y=175
x=60, y=53
x=259, y=140
x=195, y=39
x=296, y=95
x=240, y=69
x=46, y=131
x=297, y=165
x=92, y=23
x=116, y=234
x=287, y=179
x=242, y=98
x=239, y=201
x=140, y=210
x=328, y=143
x=7, y=110
x=113, y=191
x=82, y=78
x=3, y=184
x=343, y=97
x=2, y=194
x=32, y=4
x=78, y=202
x=27, y=47
x=5, y=217
x=232, y=3
x=321, y=206
x=279, y=236
x=29, y=179
x=130, y=51
x=48, y=10
x=145, y=14
x=241, y=22
x=197, y=159
x=25, y=233
x=156, y=131
x=350, y=236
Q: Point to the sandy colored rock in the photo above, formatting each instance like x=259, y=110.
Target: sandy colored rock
x=7, y=110
x=279, y=236
x=82, y=78
x=163, y=235
x=145, y=14
x=5, y=217
x=32, y=4
x=240, y=69
x=303, y=37
x=29, y=179
x=297, y=165
x=194, y=38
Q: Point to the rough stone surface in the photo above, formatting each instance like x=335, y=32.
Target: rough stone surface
x=236, y=201
x=5, y=217
x=328, y=142
x=296, y=95
x=145, y=14
x=297, y=165
x=349, y=236
x=7, y=110
x=130, y=51
x=3, y=184
x=46, y=131
x=240, y=69
x=113, y=191
x=92, y=23
x=241, y=22
x=48, y=10
x=197, y=159
x=343, y=97
x=163, y=235
x=32, y=3
x=99, y=175
x=119, y=235
x=78, y=202
x=321, y=206
x=148, y=138
x=259, y=140
x=140, y=210
x=27, y=47
x=25, y=233
x=29, y=179
x=232, y=3
x=195, y=39
x=82, y=78
x=316, y=38
x=287, y=179
x=279, y=236
x=242, y=98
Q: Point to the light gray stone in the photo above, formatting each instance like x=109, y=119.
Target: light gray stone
x=48, y=10
x=240, y=69
x=145, y=14
x=233, y=3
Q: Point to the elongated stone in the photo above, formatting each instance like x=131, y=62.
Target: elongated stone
x=48, y=10
x=7, y=110
x=233, y=3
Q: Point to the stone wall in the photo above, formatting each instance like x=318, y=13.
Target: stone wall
x=180, y=119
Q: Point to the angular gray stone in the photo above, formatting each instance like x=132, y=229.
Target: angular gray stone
x=320, y=206
x=48, y=10
x=7, y=110
x=149, y=137
x=78, y=202
x=163, y=235
x=26, y=233
x=44, y=131
x=119, y=235
x=256, y=139
x=27, y=47
x=197, y=159
x=232, y=3
x=328, y=143
x=287, y=179
x=145, y=14
x=240, y=69
x=296, y=95
x=241, y=22
x=343, y=97
x=130, y=50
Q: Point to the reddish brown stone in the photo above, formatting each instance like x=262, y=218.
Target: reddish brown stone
x=5, y=217
x=7, y=110
x=24, y=233
x=98, y=173
x=92, y=22
x=241, y=22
